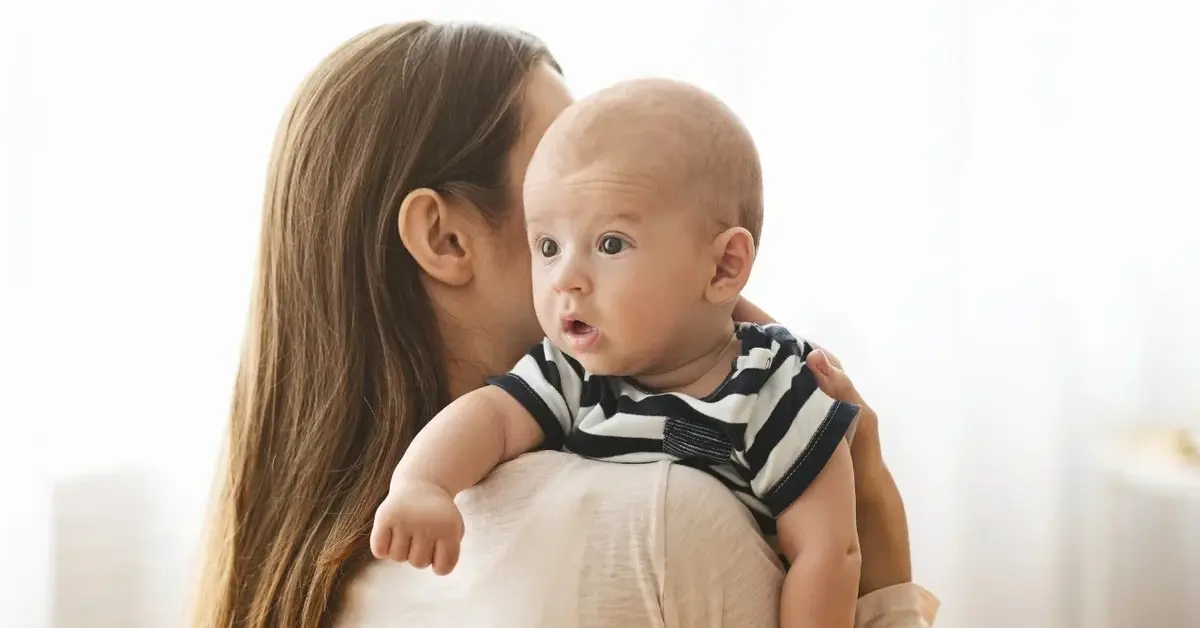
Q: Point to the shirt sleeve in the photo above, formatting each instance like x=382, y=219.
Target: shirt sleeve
x=793, y=429
x=905, y=605
x=549, y=384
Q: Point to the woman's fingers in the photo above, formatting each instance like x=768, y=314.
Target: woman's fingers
x=832, y=381
x=819, y=362
x=746, y=312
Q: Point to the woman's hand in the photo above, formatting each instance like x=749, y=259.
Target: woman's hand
x=882, y=524
x=868, y=458
x=746, y=312
x=865, y=449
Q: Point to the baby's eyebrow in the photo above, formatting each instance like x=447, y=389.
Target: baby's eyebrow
x=597, y=218
x=622, y=216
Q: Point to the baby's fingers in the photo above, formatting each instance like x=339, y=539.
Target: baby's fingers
x=398, y=550
x=420, y=553
x=445, y=556
x=381, y=540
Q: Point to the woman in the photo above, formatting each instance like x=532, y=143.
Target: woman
x=394, y=277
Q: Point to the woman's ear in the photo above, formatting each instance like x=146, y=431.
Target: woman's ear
x=435, y=232
x=733, y=251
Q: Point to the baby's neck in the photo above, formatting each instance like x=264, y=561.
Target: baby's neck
x=701, y=372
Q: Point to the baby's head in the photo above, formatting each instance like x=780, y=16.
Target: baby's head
x=644, y=206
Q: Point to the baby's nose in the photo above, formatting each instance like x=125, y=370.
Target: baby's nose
x=572, y=277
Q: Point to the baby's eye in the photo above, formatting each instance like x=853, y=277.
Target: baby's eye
x=548, y=247
x=611, y=245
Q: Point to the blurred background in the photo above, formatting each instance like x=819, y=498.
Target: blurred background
x=988, y=210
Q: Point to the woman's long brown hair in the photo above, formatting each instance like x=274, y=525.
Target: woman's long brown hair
x=341, y=364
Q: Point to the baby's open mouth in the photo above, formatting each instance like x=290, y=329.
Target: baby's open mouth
x=579, y=336
x=577, y=327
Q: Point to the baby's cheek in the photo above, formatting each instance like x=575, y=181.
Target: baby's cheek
x=648, y=315
x=543, y=301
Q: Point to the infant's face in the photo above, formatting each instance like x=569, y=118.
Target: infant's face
x=620, y=266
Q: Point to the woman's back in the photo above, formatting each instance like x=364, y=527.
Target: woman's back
x=394, y=277
x=556, y=540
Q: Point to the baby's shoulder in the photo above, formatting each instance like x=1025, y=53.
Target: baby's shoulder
x=773, y=339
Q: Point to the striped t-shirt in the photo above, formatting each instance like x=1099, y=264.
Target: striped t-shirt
x=765, y=432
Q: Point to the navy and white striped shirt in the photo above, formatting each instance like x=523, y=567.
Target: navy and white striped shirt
x=765, y=432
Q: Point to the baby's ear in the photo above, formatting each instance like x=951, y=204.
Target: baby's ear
x=733, y=251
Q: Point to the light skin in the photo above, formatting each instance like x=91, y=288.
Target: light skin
x=470, y=267
x=882, y=523
x=627, y=284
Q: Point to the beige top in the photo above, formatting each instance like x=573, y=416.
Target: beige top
x=553, y=539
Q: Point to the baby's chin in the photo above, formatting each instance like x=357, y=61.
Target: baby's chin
x=605, y=357
x=603, y=362
x=597, y=365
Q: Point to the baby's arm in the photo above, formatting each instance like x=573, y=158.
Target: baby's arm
x=818, y=536
x=418, y=521
x=796, y=453
x=465, y=441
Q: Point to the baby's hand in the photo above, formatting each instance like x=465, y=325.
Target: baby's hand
x=418, y=523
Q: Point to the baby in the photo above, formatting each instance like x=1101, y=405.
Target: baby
x=643, y=206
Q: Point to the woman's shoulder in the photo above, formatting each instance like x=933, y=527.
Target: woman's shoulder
x=714, y=551
x=554, y=539
x=551, y=539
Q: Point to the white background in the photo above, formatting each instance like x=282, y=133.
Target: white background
x=987, y=209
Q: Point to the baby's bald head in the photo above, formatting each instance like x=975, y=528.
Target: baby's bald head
x=685, y=141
